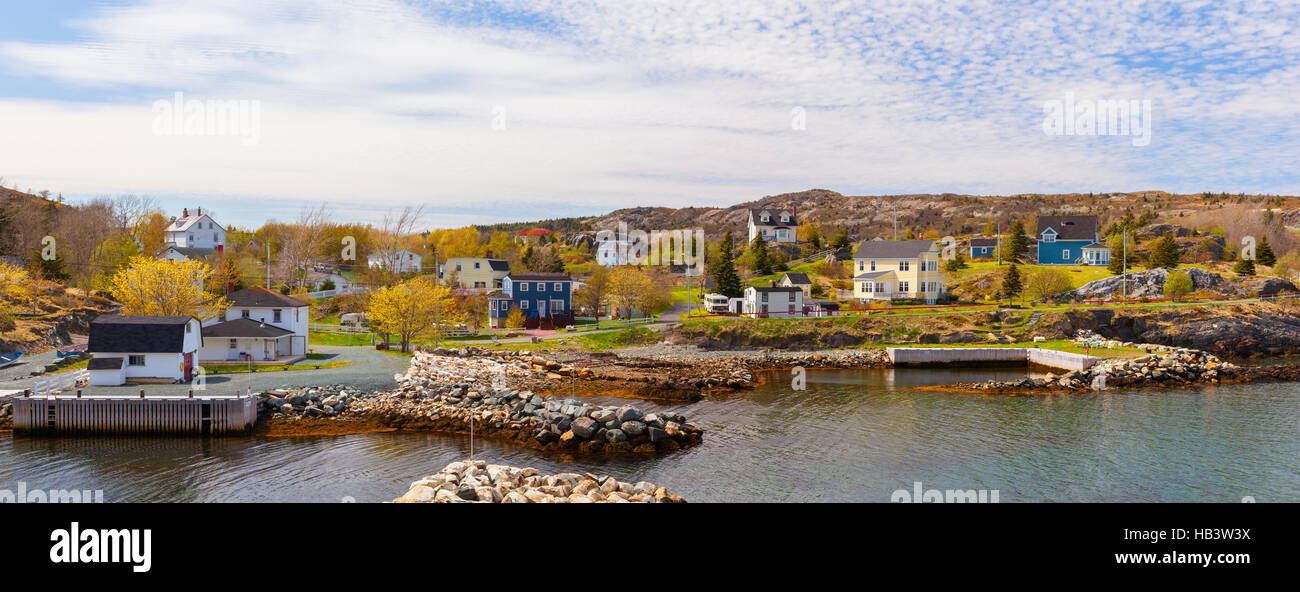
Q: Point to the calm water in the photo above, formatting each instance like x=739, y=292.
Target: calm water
x=851, y=436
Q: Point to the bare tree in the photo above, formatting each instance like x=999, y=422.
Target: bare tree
x=303, y=242
x=391, y=238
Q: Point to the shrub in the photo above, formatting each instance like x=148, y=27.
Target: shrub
x=1178, y=284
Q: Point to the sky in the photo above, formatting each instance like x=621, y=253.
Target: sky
x=509, y=111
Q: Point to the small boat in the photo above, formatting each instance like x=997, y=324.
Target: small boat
x=10, y=358
x=64, y=352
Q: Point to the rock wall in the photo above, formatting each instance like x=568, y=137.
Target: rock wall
x=477, y=481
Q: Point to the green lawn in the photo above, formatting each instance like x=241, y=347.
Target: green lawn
x=766, y=280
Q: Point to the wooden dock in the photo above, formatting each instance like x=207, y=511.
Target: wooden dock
x=70, y=414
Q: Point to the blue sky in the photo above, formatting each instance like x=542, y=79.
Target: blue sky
x=376, y=104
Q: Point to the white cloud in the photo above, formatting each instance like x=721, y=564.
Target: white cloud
x=650, y=103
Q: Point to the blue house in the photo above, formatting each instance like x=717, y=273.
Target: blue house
x=983, y=247
x=545, y=299
x=1070, y=240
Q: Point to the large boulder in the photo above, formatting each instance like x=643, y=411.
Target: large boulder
x=584, y=427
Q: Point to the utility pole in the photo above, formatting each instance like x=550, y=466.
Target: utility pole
x=999, y=247
x=1123, y=280
x=425, y=234
x=268, y=261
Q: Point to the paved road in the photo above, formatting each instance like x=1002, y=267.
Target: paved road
x=21, y=371
x=370, y=370
x=674, y=313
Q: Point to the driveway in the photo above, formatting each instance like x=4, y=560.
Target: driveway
x=370, y=370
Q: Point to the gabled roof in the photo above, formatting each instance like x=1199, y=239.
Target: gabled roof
x=776, y=289
x=984, y=242
x=242, y=327
x=191, y=252
x=138, y=334
x=755, y=214
x=259, y=297
x=549, y=277
x=1069, y=227
x=183, y=224
x=881, y=249
x=499, y=264
x=796, y=278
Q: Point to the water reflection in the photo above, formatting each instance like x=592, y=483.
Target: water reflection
x=851, y=436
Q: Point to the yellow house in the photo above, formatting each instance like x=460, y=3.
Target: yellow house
x=884, y=270
x=475, y=273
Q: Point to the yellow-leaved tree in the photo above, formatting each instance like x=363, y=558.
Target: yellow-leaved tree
x=12, y=281
x=155, y=287
x=416, y=307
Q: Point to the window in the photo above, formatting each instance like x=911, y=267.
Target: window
x=244, y=313
x=1065, y=254
x=297, y=315
x=764, y=296
x=523, y=286
x=234, y=343
x=523, y=304
x=541, y=286
x=557, y=306
x=188, y=328
x=1049, y=236
x=275, y=318
x=478, y=265
x=135, y=360
x=492, y=305
x=480, y=284
x=904, y=265
x=457, y=267
x=873, y=265
x=557, y=287
x=866, y=287
x=903, y=287
x=861, y=265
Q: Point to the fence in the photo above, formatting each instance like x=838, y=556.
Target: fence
x=337, y=292
x=60, y=382
x=615, y=324
x=134, y=416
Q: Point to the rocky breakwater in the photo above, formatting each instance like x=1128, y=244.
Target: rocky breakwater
x=1172, y=366
x=314, y=401
x=478, y=481
x=6, y=415
x=448, y=394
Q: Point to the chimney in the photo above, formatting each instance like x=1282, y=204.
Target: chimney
x=185, y=213
x=489, y=254
x=200, y=213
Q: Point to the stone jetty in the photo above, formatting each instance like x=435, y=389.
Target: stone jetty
x=478, y=481
x=1165, y=365
x=456, y=394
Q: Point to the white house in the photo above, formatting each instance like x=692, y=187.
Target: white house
x=145, y=348
x=773, y=301
x=775, y=224
x=175, y=253
x=264, y=325
x=612, y=252
x=396, y=261
x=197, y=231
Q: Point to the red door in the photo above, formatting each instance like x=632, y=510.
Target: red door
x=189, y=366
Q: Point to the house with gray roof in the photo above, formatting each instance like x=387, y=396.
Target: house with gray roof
x=906, y=269
x=777, y=225
x=138, y=348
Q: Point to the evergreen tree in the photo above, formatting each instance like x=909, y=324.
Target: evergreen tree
x=762, y=262
x=1244, y=266
x=725, y=280
x=1165, y=252
x=1264, y=253
x=957, y=263
x=841, y=240
x=1018, y=244
x=1117, y=252
x=1011, y=284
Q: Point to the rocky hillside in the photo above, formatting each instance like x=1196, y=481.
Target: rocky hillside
x=1151, y=283
x=948, y=214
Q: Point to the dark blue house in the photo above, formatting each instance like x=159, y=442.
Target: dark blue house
x=1070, y=240
x=983, y=247
x=545, y=299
